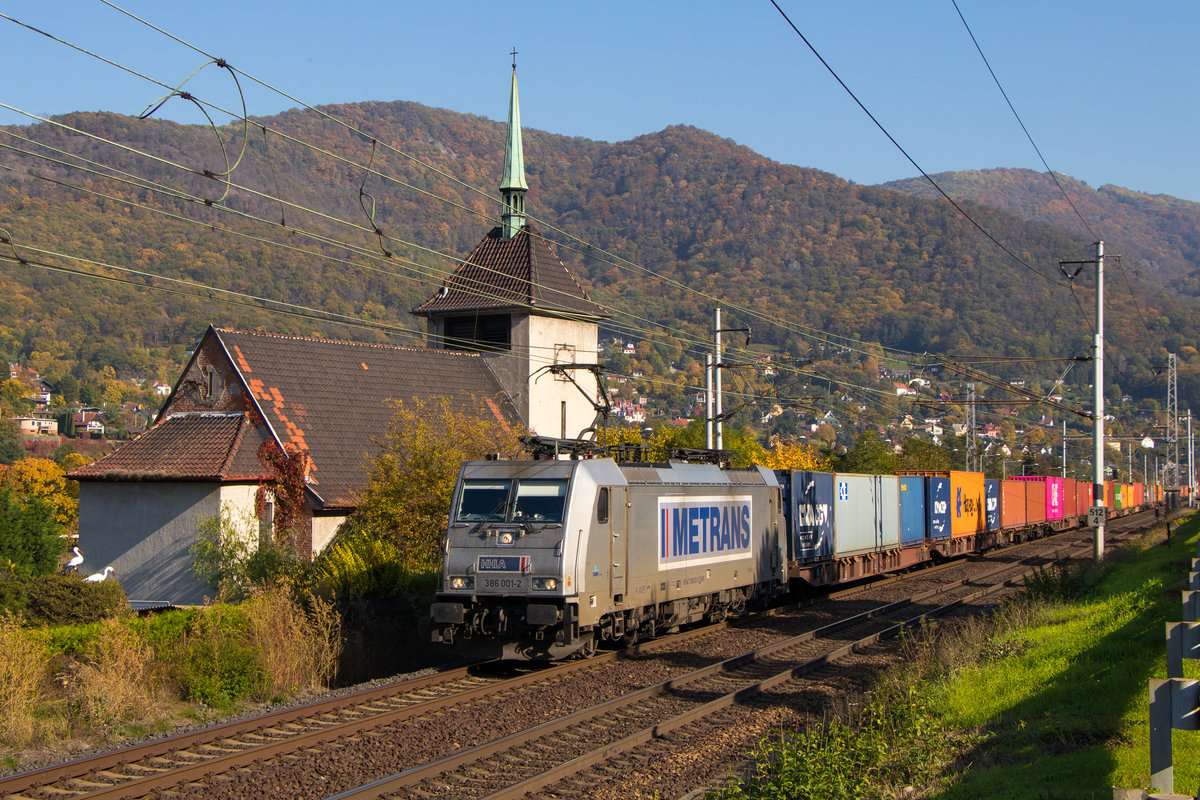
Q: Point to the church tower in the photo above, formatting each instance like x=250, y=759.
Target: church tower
x=515, y=302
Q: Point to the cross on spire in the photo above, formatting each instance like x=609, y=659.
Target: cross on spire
x=514, y=55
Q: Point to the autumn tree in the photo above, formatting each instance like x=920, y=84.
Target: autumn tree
x=411, y=482
x=45, y=480
x=788, y=452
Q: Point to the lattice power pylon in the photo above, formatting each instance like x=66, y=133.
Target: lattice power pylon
x=972, y=456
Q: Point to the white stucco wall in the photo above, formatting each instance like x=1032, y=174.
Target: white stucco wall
x=323, y=530
x=144, y=530
x=538, y=395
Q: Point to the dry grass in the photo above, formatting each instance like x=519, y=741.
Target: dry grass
x=23, y=678
x=114, y=681
x=298, y=649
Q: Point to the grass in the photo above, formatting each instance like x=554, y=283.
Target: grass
x=1046, y=699
x=123, y=676
x=1067, y=716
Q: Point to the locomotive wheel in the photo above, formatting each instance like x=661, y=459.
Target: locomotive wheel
x=589, y=647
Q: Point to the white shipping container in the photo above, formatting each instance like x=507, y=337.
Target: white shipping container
x=866, y=513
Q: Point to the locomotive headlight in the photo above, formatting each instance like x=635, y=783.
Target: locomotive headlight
x=506, y=537
x=462, y=582
x=545, y=584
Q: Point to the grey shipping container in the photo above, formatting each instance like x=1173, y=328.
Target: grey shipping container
x=866, y=513
x=808, y=505
x=912, y=509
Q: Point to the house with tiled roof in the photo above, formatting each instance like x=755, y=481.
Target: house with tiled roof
x=140, y=506
x=511, y=334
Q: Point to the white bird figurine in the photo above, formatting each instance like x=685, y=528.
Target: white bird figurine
x=96, y=577
x=75, y=560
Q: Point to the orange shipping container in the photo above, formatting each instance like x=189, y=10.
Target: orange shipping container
x=968, y=500
x=1012, y=503
x=1070, y=498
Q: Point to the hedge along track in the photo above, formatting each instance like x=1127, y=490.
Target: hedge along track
x=176, y=761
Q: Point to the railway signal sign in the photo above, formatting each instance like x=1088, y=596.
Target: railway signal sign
x=1097, y=516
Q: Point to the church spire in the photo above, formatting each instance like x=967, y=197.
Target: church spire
x=512, y=184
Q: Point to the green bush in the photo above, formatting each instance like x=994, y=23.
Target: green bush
x=14, y=593
x=29, y=537
x=68, y=599
x=216, y=659
x=230, y=555
x=361, y=566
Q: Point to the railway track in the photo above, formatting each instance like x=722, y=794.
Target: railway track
x=228, y=760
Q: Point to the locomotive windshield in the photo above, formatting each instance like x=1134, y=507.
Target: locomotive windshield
x=483, y=501
x=494, y=500
x=540, y=501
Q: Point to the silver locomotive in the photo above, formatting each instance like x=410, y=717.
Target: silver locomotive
x=547, y=558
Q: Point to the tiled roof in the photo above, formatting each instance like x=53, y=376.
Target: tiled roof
x=523, y=272
x=329, y=397
x=197, y=446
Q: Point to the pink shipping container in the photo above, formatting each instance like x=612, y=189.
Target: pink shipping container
x=1012, y=503
x=1051, y=490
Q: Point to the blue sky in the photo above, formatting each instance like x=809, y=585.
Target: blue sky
x=1108, y=89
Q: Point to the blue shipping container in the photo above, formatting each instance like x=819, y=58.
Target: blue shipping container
x=991, y=494
x=912, y=509
x=808, y=505
x=937, y=506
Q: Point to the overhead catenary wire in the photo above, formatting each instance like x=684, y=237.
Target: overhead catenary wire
x=824, y=337
x=1053, y=176
x=806, y=331
x=1017, y=259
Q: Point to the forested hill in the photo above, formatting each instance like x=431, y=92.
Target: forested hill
x=1157, y=236
x=667, y=225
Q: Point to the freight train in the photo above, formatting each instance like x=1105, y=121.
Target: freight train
x=549, y=558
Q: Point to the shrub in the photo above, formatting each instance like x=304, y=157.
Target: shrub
x=215, y=661
x=232, y=557
x=360, y=566
x=68, y=599
x=112, y=679
x=22, y=680
x=886, y=744
x=14, y=593
x=29, y=536
x=296, y=649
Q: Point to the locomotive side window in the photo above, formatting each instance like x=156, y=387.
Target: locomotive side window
x=540, y=500
x=602, y=505
x=483, y=500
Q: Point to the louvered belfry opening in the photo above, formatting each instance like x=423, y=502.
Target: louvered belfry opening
x=483, y=333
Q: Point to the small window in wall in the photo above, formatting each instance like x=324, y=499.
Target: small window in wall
x=266, y=524
x=602, y=505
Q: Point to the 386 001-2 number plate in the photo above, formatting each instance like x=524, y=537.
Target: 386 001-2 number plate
x=503, y=583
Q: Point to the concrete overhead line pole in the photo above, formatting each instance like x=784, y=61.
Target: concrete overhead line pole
x=1097, y=514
